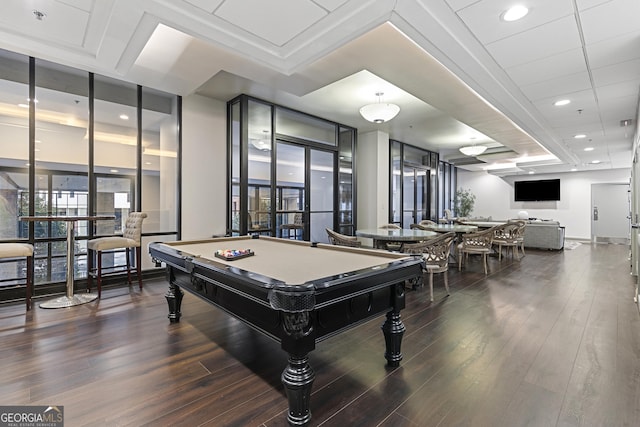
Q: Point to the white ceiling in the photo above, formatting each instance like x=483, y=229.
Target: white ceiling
x=453, y=66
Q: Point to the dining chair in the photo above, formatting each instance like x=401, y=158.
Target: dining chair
x=342, y=240
x=130, y=240
x=391, y=245
x=504, y=237
x=21, y=250
x=435, y=253
x=477, y=244
x=419, y=227
x=448, y=217
x=519, y=235
x=510, y=236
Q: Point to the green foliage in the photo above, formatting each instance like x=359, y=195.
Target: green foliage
x=463, y=202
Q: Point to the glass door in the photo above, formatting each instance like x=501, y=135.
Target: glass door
x=290, y=197
x=415, y=200
x=305, y=192
x=321, y=207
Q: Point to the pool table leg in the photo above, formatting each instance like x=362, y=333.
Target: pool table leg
x=297, y=379
x=393, y=329
x=174, y=299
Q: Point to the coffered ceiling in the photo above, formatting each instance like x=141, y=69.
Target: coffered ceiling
x=460, y=74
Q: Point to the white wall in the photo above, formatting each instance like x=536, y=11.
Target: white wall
x=204, y=167
x=494, y=197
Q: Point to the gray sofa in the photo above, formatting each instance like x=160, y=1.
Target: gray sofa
x=544, y=235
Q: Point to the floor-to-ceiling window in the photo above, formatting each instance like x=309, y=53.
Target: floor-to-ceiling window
x=290, y=174
x=447, y=181
x=75, y=143
x=14, y=152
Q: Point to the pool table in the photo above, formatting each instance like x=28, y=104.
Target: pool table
x=298, y=293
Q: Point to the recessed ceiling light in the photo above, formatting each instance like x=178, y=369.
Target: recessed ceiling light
x=531, y=172
x=562, y=102
x=574, y=169
x=595, y=162
x=514, y=13
x=580, y=136
x=113, y=170
x=589, y=149
x=124, y=117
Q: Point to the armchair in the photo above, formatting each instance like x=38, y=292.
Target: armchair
x=436, y=257
x=391, y=246
x=342, y=240
x=509, y=235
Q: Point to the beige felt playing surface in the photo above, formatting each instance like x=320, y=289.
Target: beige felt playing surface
x=292, y=262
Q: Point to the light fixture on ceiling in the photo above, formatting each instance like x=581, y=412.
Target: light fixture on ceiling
x=379, y=112
x=562, y=102
x=472, y=150
x=514, y=13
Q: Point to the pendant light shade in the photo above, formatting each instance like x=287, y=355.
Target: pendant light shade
x=473, y=150
x=379, y=112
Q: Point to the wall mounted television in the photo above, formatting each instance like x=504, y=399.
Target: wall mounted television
x=537, y=191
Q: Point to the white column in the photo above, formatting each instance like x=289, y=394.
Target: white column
x=373, y=179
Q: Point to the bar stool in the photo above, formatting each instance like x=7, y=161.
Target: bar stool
x=18, y=250
x=131, y=237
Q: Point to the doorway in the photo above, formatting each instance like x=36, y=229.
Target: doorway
x=305, y=191
x=415, y=195
x=610, y=213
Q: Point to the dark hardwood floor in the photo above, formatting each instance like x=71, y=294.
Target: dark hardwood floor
x=551, y=340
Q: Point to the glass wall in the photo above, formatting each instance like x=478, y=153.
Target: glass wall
x=447, y=181
x=258, y=170
x=299, y=164
x=395, y=185
x=14, y=156
x=413, y=184
x=346, y=181
x=80, y=144
x=61, y=163
x=159, y=161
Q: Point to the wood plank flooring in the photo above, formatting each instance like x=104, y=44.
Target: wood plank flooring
x=550, y=340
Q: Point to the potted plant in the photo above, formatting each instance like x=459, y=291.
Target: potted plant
x=463, y=202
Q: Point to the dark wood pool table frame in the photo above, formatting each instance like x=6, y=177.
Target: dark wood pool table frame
x=296, y=315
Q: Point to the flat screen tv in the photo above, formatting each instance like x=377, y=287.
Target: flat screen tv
x=537, y=191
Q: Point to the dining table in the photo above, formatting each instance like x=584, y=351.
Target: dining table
x=70, y=299
x=383, y=236
x=459, y=229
